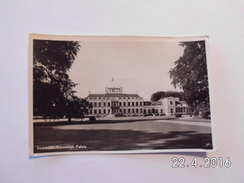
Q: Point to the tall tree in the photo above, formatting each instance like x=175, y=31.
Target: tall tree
x=52, y=87
x=190, y=73
x=76, y=107
x=163, y=94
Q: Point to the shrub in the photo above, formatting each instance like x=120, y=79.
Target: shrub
x=92, y=118
x=206, y=114
x=148, y=114
x=178, y=115
x=120, y=115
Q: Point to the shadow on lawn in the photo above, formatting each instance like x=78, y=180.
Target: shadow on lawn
x=106, y=140
x=107, y=121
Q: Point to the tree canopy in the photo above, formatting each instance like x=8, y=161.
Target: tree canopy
x=52, y=88
x=190, y=73
x=163, y=94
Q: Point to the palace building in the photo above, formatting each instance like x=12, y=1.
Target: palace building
x=115, y=102
x=167, y=106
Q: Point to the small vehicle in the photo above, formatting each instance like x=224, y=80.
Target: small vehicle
x=91, y=118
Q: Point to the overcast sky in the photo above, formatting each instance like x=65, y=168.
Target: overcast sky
x=137, y=66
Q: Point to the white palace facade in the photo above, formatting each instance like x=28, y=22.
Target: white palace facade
x=115, y=102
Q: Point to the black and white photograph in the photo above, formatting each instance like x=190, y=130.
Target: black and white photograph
x=119, y=94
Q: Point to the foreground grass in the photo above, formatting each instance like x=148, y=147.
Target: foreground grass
x=143, y=135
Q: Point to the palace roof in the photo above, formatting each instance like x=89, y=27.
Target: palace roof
x=113, y=95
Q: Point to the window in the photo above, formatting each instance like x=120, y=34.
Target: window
x=128, y=103
x=95, y=111
x=136, y=110
x=104, y=111
x=99, y=104
x=124, y=104
x=109, y=104
x=95, y=104
x=133, y=111
x=99, y=111
x=132, y=103
x=136, y=103
x=124, y=110
x=171, y=102
x=104, y=104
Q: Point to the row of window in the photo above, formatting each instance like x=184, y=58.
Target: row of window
x=107, y=111
x=94, y=98
x=145, y=111
x=148, y=111
x=181, y=109
x=121, y=104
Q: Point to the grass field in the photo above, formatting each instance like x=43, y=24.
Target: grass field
x=127, y=135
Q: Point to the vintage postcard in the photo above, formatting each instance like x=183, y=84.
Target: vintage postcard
x=118, y=94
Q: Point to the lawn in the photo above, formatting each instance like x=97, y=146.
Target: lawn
x=136, y=135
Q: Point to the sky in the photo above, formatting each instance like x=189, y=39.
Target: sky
x=139, y=66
